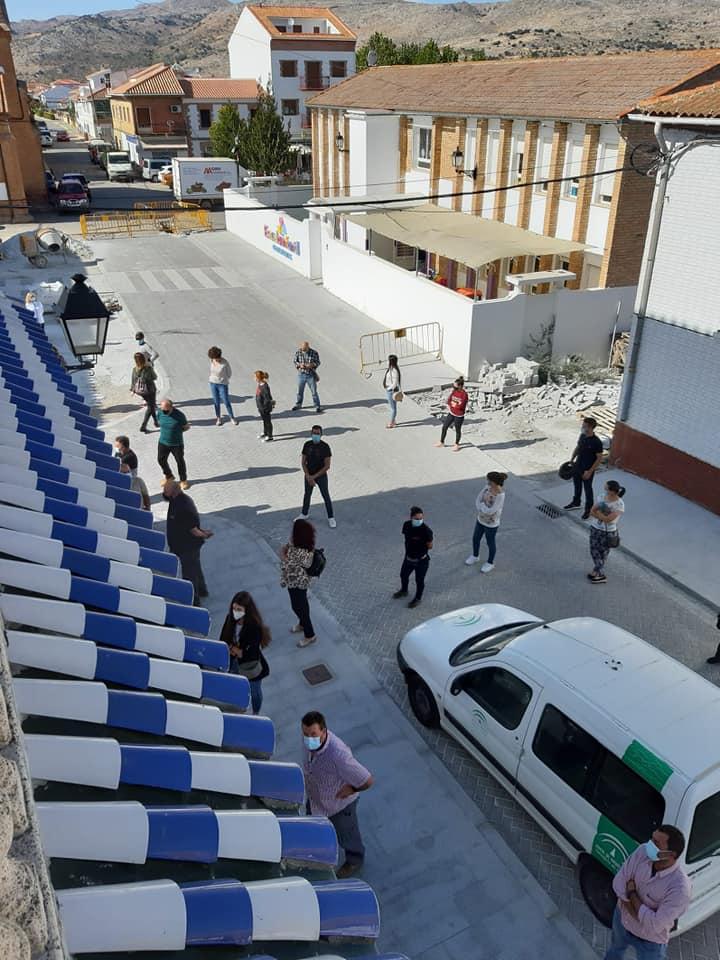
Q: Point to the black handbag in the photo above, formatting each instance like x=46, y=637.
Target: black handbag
x=319, y=562
x=612, y=539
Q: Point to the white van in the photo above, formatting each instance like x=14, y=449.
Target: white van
x=118, y=166
x=151, y=168
x=597, y=734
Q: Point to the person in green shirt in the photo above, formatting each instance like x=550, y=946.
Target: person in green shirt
x=173, y=424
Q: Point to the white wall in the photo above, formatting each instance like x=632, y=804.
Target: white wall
x=684, y=288
x=676, y=389
x=249, y=49
x=253, y=222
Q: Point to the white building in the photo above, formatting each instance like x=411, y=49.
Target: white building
x=296, y=51
x=92, y=104
x=668, y=422
x=204, y=96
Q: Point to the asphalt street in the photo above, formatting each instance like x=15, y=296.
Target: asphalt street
x=189, y=293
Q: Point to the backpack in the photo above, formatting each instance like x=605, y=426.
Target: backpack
x=319, y=562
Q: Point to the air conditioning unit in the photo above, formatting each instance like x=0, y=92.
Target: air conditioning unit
x=175, y=108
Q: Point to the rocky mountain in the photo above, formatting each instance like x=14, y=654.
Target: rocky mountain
x=195, y=32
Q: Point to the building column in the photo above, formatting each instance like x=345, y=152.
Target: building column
x=503, y=172
x=405, y=137
x=324, y=123
x=14, y=208
x=583, y=200
x=554, y=190
x=481, y=138
x=336, y=155
x=438, y=129
x=532, y=129
x=316, y=148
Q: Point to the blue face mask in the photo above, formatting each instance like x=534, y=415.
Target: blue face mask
x=316, y=438
x=140, y=343
x=652, y=850
x=417, y=523
x=312, y=743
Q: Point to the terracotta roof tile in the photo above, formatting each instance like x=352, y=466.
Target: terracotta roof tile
x=264, y=14
x=158, y=80
x=699, y=102
x=582, y=88
x=219, y=88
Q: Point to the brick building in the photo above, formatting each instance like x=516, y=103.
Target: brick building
x=461, y=128
x=147, y=114
x=669, y=411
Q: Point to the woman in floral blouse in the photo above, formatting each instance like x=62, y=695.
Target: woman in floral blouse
x=295, y=559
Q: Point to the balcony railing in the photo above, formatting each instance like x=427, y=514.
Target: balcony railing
x=169, y=129
x=314, y=83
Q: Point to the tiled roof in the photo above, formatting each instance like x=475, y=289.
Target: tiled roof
x=160, y=80
x=598, y=87
x=264, y=14
x=219, y=88
x=698, y=102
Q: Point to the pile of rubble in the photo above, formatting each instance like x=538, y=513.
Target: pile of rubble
x=564, y=398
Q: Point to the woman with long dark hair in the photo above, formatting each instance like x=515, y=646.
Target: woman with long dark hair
x=219, y=381
x=392, y=381
x=265, y=404
x=246, y=635
x=295, y=560
x=604, y=516
x=142, y=384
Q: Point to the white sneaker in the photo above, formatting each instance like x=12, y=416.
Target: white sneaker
x=267, y=439
x=261, y=436
x=471, y=560
x=332, y=522
x=302, y=516
x=487, y=568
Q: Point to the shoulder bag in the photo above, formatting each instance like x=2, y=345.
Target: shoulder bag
x=318, y=564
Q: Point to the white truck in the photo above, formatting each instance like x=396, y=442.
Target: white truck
x=202, y=181
x=118, y=165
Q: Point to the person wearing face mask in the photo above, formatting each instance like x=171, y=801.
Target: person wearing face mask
x=604, y=517
x=126, y=456
x=418, y=543
x=586, y=458
x=315, y=461
x=333, y=780
x=246, y=635
x=142, y=346
x=653, y=891
x=488, y=507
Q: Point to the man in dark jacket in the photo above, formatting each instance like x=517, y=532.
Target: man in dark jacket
x=185, y=536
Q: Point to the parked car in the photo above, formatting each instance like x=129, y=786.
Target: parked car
x=151, y=167
x=591, y=729
x=50, y=182
x=72, y=197
x=165, y=175
x=62, y=136
x=81, y=178
x=45, y=139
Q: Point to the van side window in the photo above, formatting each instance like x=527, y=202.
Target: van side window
x=705, y=833
x=501, y=693
x=600, y=777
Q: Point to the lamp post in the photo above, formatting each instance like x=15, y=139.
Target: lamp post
x=84, y=319
x=340, y=143
x=458, y=162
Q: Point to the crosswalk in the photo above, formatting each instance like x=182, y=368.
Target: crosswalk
x=167, y=280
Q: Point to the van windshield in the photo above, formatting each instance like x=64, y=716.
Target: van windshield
x=705, y=834
x=118, y=158
x=489, y=642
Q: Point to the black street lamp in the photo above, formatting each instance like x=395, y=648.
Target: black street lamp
x=84, y=319
x=340, y=143
x=458, y=162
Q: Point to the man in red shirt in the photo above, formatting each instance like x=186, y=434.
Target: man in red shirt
x=456, y=402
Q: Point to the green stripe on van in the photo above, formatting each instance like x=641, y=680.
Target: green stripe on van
x=611, y=845
x=651, y=768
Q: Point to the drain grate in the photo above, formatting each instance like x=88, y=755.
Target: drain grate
x=317, y=674
x=549, y=510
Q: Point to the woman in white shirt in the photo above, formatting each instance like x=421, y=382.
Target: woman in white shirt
x=489, y=507
x=604, y=517
x=391, y=382
x=220, y=373
x=35, y=307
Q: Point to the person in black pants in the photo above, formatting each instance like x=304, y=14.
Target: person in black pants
x=142, y=384
x=173, y=424
x=185, y=536
x=418, y=543
x=265, y=404
x=585, y=460
x=315, y=461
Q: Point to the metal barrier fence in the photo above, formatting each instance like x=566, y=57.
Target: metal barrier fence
x=128, y=223
x=165, y=205
x=421, y=343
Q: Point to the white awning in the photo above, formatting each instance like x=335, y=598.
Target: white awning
x=459, y=236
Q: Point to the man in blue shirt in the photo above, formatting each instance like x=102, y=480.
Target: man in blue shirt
x=173, y=424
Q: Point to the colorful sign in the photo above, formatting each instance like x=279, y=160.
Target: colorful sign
x=281, y=242
x=611, y=845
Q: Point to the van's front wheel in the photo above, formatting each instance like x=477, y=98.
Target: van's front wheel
x=596, y=886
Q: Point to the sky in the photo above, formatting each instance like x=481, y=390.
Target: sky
x=43, y=9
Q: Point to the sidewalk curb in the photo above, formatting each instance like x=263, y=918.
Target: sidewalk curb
x=643, y=561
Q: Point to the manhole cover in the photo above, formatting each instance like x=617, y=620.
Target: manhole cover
x=317, y=674
x=549, y=510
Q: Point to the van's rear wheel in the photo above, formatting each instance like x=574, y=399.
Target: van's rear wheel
x=596, y=886
x=422, y=702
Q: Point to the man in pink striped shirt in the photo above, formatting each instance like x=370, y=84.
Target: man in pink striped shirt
x=653, y=891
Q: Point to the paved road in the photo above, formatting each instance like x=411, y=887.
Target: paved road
x=189, y=293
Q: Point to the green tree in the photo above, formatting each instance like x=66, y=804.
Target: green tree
x=264, y=140
x=387, y=52
x=225, y=132
x=385, y=49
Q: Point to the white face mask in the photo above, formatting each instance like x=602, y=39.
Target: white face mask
x=238, y=613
